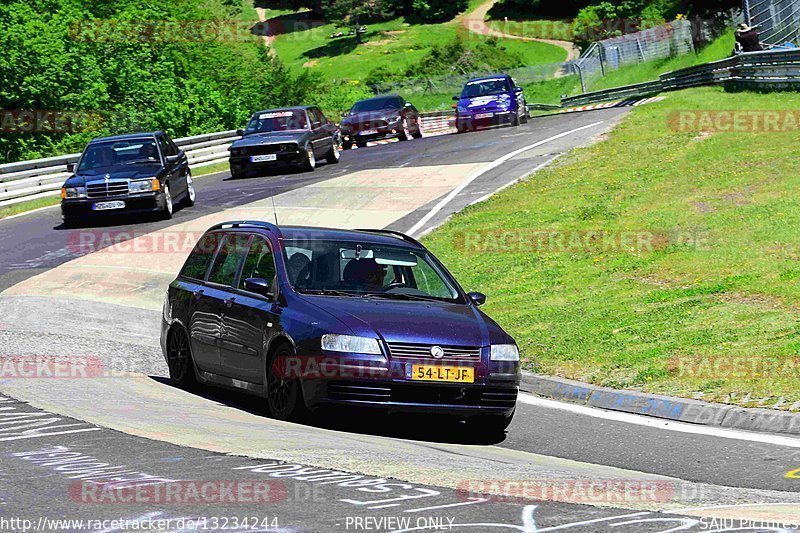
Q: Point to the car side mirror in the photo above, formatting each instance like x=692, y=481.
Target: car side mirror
x=344, y=114
x=258, y=286
x=456, y=98
x=71, y=167
x=240, y=133
x=172, y=159
x=407, y=104
x=478, y=298
x=518, y=90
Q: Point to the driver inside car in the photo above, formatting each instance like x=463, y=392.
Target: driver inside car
x=367, y=274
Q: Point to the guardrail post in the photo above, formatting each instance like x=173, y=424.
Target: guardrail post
x=580, y=75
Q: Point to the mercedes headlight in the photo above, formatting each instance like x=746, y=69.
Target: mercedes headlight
x=504, y=352
x=73, y=192
x=351, y=344
x=148, y=185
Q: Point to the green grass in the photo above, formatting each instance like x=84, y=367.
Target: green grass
x=30, y=205
x=395, y=44
x=722, y=285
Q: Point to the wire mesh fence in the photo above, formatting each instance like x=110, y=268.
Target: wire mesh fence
x=778, y=21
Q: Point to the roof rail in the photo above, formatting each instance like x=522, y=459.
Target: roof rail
x=395, y=234
x=247, y=223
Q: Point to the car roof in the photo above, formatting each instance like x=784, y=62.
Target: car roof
x=126, y=136
x=293, y=108
x=289, y=232
x=491, y=77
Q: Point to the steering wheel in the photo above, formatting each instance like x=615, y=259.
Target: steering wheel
x=393, y=285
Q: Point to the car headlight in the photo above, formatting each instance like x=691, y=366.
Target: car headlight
x=392, y=118
x=150, y=184
x=504, y=352
x=350, y=343
x=462, y=109
x=73, y=192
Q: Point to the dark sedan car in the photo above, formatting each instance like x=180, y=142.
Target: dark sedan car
x=309, y=316
x=490, y=101
x=135, y=173
x=379, y=118
x=296, y=137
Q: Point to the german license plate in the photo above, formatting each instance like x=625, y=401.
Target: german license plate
x=484, y=115
x=263, y=158
x=452, y=374
x=106, y=206
x=368, y=132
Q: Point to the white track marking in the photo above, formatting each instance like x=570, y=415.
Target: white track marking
x=494, y=164
x=660, y=423
x=733, y=506
x=514, y=181
x=587, y=522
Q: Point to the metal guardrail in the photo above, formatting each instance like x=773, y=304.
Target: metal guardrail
x=40, y=178
x=770, y=69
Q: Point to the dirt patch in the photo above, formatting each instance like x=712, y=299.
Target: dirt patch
x=382, y=42
x=702, y=207
x=312, y=63
x=703, y=135
x=762, y=301
x=394, y=32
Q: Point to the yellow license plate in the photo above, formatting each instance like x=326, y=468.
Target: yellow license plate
x=453, y=374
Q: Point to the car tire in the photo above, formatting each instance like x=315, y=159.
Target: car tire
x=361, y=145
x=515, y=119
x=333, y=155
x=191, y=194
x=169, y=207
x=347, y=146
x=402, y=133
x=179, y=359
x=284, y=396
x=310, y=161
x=489, y=425
x=524, y=119
x=417, y=134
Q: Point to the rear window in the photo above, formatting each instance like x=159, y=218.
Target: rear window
x=196, y=265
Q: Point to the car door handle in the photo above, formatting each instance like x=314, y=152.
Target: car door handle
x=198, y=294
x=229, y=302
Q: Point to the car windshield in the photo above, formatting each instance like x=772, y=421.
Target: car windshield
x=287, y=120
x=488, y=87
x=376, y=104
x=110, y=156
x=346, y=268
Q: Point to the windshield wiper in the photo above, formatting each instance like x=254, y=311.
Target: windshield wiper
x=327, y=292
x=403, y=296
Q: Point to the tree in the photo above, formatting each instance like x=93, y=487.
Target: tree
x=354, y=12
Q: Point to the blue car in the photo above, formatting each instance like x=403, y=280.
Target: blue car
x=490, y=101
x=307, y=317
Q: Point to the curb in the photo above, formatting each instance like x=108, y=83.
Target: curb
x=667, y=407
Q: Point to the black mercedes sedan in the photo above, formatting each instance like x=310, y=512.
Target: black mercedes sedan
x=134, y=173
x=381, y=117
x=295, y=137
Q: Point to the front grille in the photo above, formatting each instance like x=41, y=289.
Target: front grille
x=106, y=189
x=267, y=149
x=371, y=125
x=407, y=350
x=402, y=393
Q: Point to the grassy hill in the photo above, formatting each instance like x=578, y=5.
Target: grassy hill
x=394, y=44
x=709, y=309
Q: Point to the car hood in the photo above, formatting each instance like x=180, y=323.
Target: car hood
x=495, y=102
x=368, y=116
x=413, y=321
x=255, y=139
x=129, y=173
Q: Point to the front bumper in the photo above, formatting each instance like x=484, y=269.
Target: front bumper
x=481, y=120
x=242, y=164
x=356, y=134
x=494, y=391
x=148, y=202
